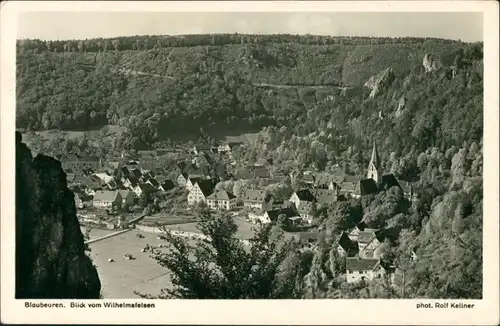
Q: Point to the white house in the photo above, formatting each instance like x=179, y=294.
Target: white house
x=191, y=181
x=143, y=188
x=200, y=191
x=358, y=269
x=221, y=200
x=182, y=179
x=257, y=199
x=354, y=233
x=107, y=199
x=273, y=215
x=368, y=242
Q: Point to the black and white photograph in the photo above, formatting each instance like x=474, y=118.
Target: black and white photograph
x=250, y=155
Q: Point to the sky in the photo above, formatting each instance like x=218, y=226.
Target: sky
x=467, y=26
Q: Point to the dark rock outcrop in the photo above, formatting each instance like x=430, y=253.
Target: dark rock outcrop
x=50, y=254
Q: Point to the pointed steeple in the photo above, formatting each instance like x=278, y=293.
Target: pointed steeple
x=374, y=166
x=375, y=158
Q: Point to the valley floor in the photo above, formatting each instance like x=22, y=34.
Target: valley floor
x=119, y=279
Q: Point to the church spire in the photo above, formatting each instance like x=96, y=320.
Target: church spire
x=374, y=166
x=375, y=158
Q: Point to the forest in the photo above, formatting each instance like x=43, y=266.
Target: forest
x=323, y=102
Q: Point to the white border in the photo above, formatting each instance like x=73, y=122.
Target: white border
x=378, y=312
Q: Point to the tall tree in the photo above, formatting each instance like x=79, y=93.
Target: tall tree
x=223, y=267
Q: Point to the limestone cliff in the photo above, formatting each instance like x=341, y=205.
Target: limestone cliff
x=430, y=63
x=380, y=82
x=50, y=256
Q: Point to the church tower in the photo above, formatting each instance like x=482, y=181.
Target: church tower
x=374, y=166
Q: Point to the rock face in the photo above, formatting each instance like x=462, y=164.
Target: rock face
x=401, y=107
x=380, y=82
x=50, y=257
x=430, y=64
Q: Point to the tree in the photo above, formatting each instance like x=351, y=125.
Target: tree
x=221, y=267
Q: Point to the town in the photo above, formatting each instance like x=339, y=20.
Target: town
x=165, y=187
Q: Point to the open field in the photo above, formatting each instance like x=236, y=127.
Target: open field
x=143, y=274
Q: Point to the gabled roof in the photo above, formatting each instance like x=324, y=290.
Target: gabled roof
x=305, y=195
x=252, y=195
x=367, y=187
x=207, y=186
x=388, y=181
x=369, y=235
x=133, y=180
x=362, y=226
x=359, y=264
x=221, y=195
x=167, y=184
x=287, y=211
x=124, y=193
x=348, y=187
x=146, y=187
x=154, y=183
x=349, y=246
x=184, y=175
x=108, y=196
x=194, y=180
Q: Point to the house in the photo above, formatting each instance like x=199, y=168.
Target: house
x=130, y=181
x=307, y=239
x=155, y=184
x=306, y=210
x=182, y=179
x=136, y=173
x=272, y=215
x=257, y=199
x=368, y=241
x=347, y=247
x=103, y=178
x=222, y=200
x=107, y=199
x=143, y=188
x=358, y=269
x=200, y=191
x=191, y=181
x=128, y=197
x=304, y=202
x=349, y=189
x=361, y=226
x=302, y=195
x=166, y=185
